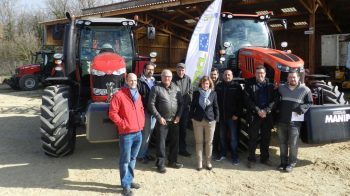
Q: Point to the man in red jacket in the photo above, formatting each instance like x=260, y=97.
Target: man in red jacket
x=127, y=113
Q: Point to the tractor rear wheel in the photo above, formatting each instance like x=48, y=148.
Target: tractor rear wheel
x=327, y=93
x=28, y=82
x=57, y=132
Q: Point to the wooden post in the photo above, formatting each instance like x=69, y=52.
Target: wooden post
x=312, y=45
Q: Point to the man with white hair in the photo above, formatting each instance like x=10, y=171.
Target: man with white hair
x=127, y=113
x=165, y=103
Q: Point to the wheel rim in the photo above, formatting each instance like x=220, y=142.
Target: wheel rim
x=29, y=83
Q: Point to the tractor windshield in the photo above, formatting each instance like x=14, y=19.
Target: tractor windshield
x=96, y=39
x=243, y=32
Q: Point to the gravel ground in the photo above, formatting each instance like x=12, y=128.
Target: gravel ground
x=93, y=168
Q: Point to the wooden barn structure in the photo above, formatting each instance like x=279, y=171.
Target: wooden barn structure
x=175, y=20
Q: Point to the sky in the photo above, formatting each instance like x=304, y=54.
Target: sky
x=31, y=4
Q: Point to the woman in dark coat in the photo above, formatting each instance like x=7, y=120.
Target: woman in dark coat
x=204, y=114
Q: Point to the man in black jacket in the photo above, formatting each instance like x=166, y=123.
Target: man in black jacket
x=185, y=85
x=165, y=103
x=260, y=99
x=144, y=85
x=230, y=102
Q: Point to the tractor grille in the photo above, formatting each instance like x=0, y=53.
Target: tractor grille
x=249, y=64
x=99, y=83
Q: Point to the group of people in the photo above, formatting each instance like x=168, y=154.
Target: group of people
x=214, y=108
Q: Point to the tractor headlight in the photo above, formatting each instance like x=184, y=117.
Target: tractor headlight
x=282, y=67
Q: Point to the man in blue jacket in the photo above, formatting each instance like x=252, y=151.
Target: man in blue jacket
x=260, y=99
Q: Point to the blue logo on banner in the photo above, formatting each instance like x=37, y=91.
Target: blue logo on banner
x=203, y=42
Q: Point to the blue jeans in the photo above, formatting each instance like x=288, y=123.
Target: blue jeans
x=129, y=145
x=150, y=122
x=288, y=134
x=229, y=127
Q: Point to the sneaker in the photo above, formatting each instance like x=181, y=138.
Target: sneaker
x=135, y=185
x=289, y=168
x=220, y=158
x=293, y=164
x=267, y=163
x=175, y=165
x=127, y=192
x=185, y=154
x=250, y=164
x=281, y=167
x=161, y=169
x=209, y=166
x=235, y=162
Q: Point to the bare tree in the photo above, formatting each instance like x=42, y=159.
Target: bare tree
x=58, y=8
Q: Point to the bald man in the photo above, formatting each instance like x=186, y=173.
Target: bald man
x=127, y=113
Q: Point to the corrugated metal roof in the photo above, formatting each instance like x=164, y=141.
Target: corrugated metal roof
x=124, y=6
x=113, y=7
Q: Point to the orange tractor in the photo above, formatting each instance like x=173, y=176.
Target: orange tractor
x=245, y=42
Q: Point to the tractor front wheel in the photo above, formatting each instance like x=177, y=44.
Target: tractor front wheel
x=57, y=132
x=28, y=82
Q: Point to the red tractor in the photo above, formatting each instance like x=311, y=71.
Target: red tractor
x=245, y=42
x=97, y=54
x=28, y=77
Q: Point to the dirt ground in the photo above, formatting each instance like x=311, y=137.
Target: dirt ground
x=93, y=168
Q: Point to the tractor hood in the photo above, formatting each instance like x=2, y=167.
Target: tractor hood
x=277, y=63
x=107, y=72
x=280, y=59
x=29, y=66
x=27, y=69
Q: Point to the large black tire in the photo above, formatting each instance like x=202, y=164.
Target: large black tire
x=57, y=132
x=243, y=134
x=28, y=82
x=327, y=93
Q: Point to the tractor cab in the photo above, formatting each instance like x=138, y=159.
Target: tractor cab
x=44, y=58
x=245, y=42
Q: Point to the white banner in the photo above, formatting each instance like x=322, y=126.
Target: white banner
x=199, y=58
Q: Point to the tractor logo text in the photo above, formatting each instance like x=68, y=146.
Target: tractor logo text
x=338, y=116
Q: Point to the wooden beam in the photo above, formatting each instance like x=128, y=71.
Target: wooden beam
x=186, y=2
x=312, y=45
x=187, y=14
x=327, y=11
x=168, y=32
x=306, y=6
x=173, y=23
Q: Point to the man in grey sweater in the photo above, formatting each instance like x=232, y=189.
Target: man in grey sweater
x=296, y=99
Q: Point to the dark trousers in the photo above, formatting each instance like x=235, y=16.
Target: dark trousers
x=182, y=130
x=171, y=131
x=265, y=126
x=229, y=127
x=288, y=135
x=216, y=141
